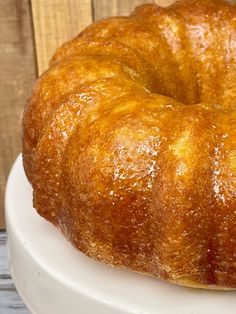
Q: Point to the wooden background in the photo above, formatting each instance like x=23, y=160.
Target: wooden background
x=30, y=33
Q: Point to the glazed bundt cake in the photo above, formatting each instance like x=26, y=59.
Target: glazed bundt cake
x=129, y=142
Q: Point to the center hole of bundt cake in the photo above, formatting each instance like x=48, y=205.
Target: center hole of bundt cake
x=180, y=93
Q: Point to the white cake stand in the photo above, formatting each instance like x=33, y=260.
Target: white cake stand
x=53, y=278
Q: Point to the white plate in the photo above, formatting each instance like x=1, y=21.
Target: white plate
x=53, y=278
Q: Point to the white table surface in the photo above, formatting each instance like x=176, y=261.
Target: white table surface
x=10, y=301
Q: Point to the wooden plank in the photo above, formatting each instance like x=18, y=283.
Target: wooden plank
x=4, y=269
x=16, y=78
x=105, y=8
x=10, y=301
x=56, y=21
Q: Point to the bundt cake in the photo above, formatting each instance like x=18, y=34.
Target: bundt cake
x=129, y=142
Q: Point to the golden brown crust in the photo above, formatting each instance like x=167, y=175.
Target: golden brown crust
x=129, y=141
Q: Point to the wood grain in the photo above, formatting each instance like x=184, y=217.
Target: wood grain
x=10, y=301
x=105, y=8
x=56, y=21
x=16, y=78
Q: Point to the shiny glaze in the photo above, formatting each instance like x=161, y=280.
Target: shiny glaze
x=129, y=141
